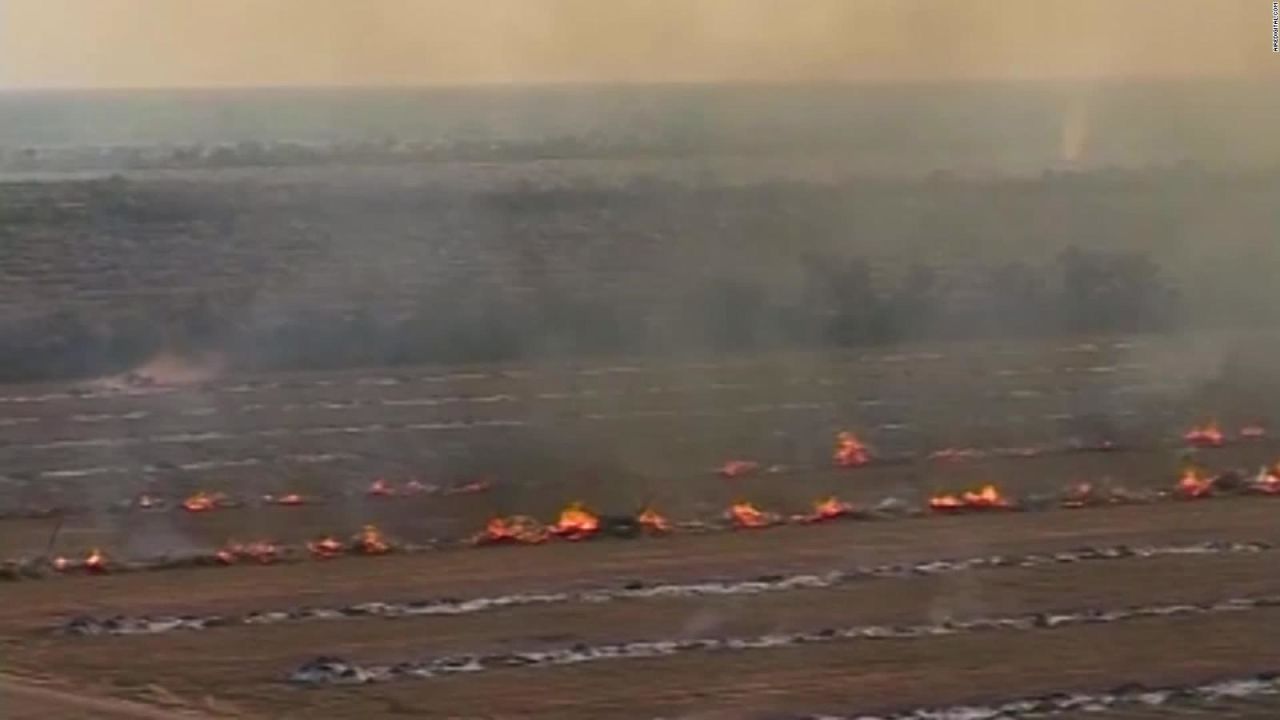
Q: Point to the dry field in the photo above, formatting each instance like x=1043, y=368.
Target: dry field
x=849, y=617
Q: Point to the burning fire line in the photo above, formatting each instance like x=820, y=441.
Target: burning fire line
x=578, y=523
x=333, y=671
x=149, y=625
x=1070, y=702
x=986, y=498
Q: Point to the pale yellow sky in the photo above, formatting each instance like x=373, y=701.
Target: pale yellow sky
x=150, y=43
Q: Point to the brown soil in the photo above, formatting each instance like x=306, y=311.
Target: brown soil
x=666, y=457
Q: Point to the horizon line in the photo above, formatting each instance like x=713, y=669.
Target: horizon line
x=599, y=84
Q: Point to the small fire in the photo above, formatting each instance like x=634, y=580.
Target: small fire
x=325, y=547
x=1193, y=485
x=514, y=529
x=829, y=509
x=204, y=502
x=370, y=541
x=95, y=562
x=745, y=515
x=576, y=523
x=738, y=468
x=1205, y=436
x=650, y=520
x=987, y=498
x=1268, y=480
x=850, y=452
x=380, y=488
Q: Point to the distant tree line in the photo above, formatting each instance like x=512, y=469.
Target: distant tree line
x=834, y=302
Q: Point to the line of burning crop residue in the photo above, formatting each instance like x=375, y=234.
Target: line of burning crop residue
x=577, y=523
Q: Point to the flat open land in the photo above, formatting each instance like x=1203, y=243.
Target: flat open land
x=849, y=617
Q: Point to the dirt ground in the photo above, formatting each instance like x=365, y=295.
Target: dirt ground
x=245, y=667
x=664, y=453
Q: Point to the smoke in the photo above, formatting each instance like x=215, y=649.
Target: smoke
x=113, y=43
x=166, y=370
x=1075, y=131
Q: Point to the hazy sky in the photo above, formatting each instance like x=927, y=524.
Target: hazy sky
x=116, y=43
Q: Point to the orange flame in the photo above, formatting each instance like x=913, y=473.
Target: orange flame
x=380, y=488
x=1193, y=485
x=576, y=523
x=370, y=541
x=515, y=529
x=829, y=509
x=96, y=562
x=652, y=521
x=745, y=515
x=203, y=502
x=1208, y=435
x=987, y=498
x=738, y=468
x=325, y=547
x=850, y=452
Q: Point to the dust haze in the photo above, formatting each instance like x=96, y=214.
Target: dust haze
x=156, y=43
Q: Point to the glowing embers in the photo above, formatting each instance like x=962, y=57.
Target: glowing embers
x=1208, y=435
x=738, y=468
x=1193, y=485
x=850, y=452
x=986, y=498
x=261, y=552
x=746, y=516
x=575, y=523
x=202, y=501
x=326, y=547
x=1267, y=482
x=370, y=541
x=514, y=529
x=94, y=563
x=651, y=521
x=831, y=508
